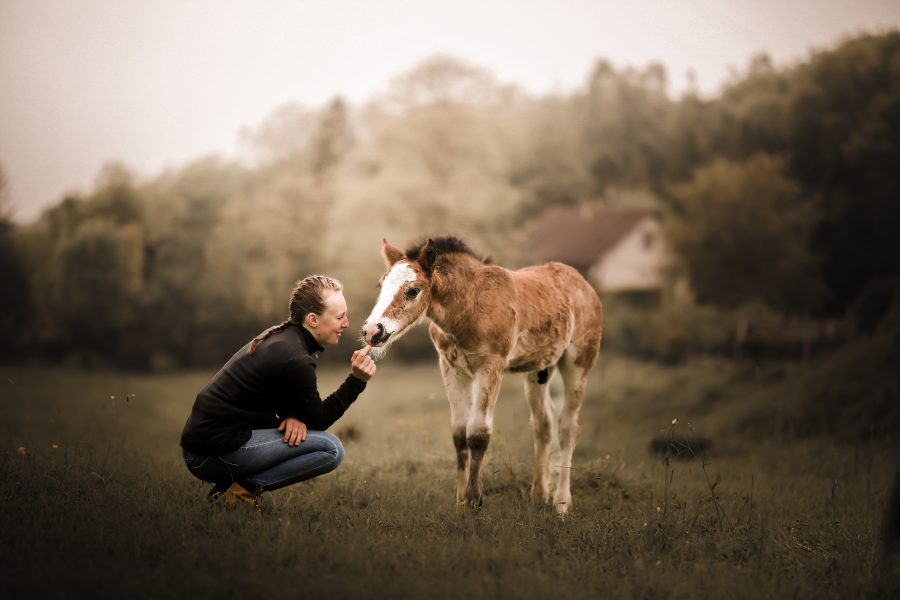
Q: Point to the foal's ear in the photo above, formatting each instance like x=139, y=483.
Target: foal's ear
x=427, y=255
x=390, y=253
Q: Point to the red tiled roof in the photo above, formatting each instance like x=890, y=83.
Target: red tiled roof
x=578, y=235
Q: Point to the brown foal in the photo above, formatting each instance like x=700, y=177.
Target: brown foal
x=485, y=320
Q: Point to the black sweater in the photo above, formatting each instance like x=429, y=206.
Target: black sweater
x=259, y=390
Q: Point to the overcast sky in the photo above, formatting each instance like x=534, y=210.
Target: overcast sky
x=155, y=84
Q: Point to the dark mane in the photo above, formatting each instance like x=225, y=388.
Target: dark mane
x=444, y=245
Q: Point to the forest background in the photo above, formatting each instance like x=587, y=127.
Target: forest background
x=779, y=197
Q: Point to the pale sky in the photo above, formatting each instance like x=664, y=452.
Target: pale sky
x=155, y=84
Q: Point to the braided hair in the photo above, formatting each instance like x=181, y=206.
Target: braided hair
x=308, y=297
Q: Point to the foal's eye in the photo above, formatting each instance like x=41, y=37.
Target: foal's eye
x=411, y=293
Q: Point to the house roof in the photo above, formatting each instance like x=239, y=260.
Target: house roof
x=578, y=235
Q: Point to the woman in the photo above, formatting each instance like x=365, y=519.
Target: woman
x=259, y=424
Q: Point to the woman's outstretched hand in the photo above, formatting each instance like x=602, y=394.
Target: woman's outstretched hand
x=294, y=431
x=361, y=364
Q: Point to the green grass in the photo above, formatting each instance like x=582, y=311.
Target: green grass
x=111, y=511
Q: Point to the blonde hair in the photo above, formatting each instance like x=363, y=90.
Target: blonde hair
x=308, y=297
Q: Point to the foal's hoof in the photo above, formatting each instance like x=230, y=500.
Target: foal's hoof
x=540, y=495
x=464, y=506
x=562, y=508
x=474, y=502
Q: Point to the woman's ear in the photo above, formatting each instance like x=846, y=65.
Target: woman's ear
x=312, y=320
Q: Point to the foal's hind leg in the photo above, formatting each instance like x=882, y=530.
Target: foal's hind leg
x=537, y=392
x=574, y=380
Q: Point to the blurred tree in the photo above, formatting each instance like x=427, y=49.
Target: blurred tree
x=283, y=134
x=437, y=167
x=193, y=305
x=751, y=114
x=743, y=232
x=5, y=204
x=843, y=129
x=444, y=79
x=548, y=163
x=267, y=238
x=271, y=233
x=15, y=292
x=690, y=142
x=114, y=196
x=625, y=123
x=331, y=141
x=97, y=288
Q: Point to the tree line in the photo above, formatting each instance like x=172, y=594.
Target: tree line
x=781, y=190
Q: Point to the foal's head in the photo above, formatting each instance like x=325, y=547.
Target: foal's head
x=405, y=294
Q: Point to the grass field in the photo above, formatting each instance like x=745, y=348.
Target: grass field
x=96, y=499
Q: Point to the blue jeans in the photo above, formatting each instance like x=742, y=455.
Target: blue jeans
x=268, y=462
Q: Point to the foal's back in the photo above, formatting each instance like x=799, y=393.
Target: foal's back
x=555, y=307
x=544, y=291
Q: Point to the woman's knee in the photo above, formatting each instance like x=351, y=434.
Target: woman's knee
x=333, y=446
x=338, y=449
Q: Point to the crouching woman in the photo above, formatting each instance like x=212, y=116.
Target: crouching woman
x=259, y=424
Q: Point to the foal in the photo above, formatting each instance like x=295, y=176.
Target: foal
x=486, y=320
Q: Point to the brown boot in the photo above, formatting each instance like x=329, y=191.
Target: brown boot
x=236, y=494
x=215, y=494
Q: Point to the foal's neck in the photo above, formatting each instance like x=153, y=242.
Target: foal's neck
x=453, y=297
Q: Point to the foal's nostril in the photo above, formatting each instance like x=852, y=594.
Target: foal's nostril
x=378, y=335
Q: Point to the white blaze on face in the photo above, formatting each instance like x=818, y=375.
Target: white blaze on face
x=399, y=274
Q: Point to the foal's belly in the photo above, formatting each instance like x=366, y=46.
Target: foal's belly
x=531, y=356
x=531, y=353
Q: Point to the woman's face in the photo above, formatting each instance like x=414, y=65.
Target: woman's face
x=328, y=326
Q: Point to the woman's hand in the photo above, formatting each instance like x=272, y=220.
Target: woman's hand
x=361, y=364
x=294, y=431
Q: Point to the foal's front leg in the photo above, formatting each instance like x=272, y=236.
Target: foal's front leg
x=481, y=425
x=458, y=386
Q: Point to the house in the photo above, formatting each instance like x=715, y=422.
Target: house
x=619, y=250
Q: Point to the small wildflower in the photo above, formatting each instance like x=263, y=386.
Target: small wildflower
x=658, y=510
x=112, y=396
x=607, y=457
x=54, y=446
x=675, y=421
x=21, y=450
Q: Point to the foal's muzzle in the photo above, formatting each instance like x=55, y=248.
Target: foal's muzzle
x=375, y=335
